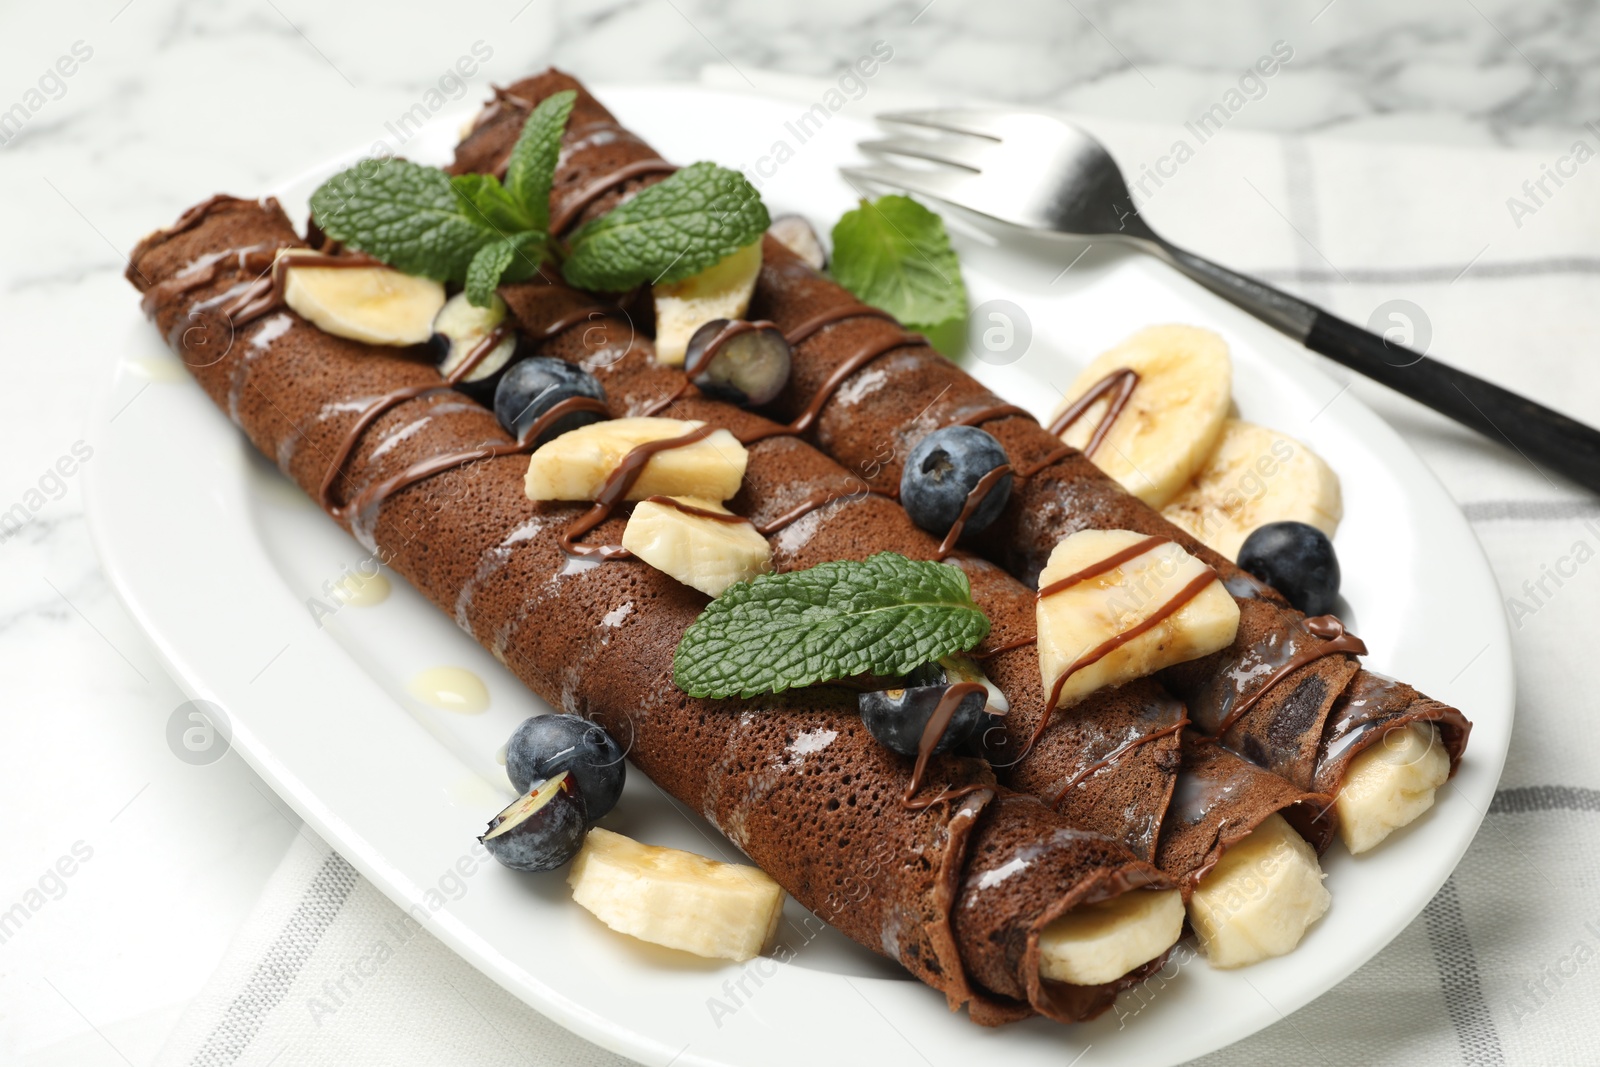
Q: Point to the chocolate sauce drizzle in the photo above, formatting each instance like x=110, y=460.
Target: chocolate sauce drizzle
x=1192, y=589
x=1122, y=381
x=1115, y=755
x=428, y=468
x=973, y=502
x=615, y=489
x=266, y=292
x=576, y=203
x=730, y=329
x=1335, y=639
x=938, y=722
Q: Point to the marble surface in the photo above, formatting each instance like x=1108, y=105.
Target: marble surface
x=168, y=102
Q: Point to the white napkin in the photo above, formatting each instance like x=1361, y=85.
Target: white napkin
x=1504, y=965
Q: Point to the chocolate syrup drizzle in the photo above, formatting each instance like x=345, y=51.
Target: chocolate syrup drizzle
x=615, y=489
x=974, y=500
x=938, y=722
x=428, y=468
x=1335, y=639
x=576, y=203
x=730, y=329
x=1192, y=589
x=1122, y=381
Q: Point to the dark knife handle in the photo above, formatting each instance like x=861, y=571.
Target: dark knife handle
x=1544, y=437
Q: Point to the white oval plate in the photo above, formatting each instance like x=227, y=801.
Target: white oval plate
x=217, y=556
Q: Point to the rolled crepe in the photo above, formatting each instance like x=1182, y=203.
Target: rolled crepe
x=1307, y=725
x=796, y=781
x=1110, y=765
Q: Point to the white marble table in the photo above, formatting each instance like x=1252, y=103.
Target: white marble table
x=167, y=102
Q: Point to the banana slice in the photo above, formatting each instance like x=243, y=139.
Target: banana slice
x=1390, y=784
x=378, y=305
x=575, y=465
x=1260, y=898
x=721, y=291
x=1255, y=476
x=717, y=910
x=1102, y=942
x=1077, y=621
x=707, y=554
x=1173, y=417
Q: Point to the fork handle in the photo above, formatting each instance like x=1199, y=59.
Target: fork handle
x=1541, y=434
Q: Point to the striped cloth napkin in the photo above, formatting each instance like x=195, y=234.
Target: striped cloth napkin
x=1447, y=246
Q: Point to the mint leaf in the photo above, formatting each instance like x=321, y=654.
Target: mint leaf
x=884, y=616
x=486, y=203
x=533, y=159
x=699, y=216
x=402, y=213
x=893, y=253
x=510, y=259
x=483, y=274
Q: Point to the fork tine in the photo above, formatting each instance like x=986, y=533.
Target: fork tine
x=956, y=151
x=942, y=185
x=974, y=122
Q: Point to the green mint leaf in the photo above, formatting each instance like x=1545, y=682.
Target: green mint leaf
x=533, y=160
x=485, y=202
x=699, y=216
x=510, y=259
x=883, y=616
x=893, y=253
x=402, y=213
x=483, y=274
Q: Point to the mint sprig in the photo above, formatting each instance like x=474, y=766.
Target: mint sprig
x=676, y=228
x=468, y=228
x=893, y=253
x=474, y=230
x=884, y=616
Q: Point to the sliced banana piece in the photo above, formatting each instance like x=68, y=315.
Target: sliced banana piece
x=1172, y=418
x=1101, y=942
x=717, y=910
x=1260, y=898
x=721, y=291
x=1078, y=622
x=575, y=465
x=707, y=554
x=1255, y=476
x=378, y=305
x=1390, y=783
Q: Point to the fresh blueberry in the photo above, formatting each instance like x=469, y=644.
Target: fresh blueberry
x=898, y=717
x=797, y=234
x=458, y=330
x=542, y=829
x=534, y=386
x=942, y=472
x=749, y=365
x=546, y=745
x=1297, y=560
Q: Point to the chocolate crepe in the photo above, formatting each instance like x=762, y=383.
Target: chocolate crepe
x=795, y=781
x=1109, y=765
x=1306, y=726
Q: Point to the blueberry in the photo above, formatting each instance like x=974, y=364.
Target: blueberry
x=1297, y=560
x=943, y=470
x=898, y=717
x=458, y=330
x=542, y=829
x=546, y=745
x=749, y=366
x=534, y=386
x=797, y=234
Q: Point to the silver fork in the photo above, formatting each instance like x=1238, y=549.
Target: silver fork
x=1036, y=170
